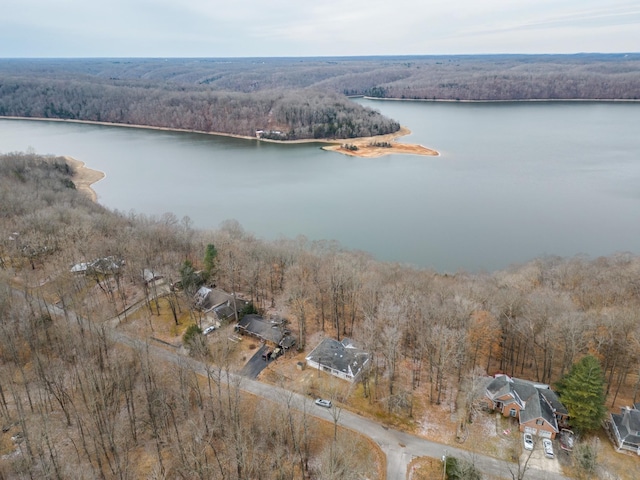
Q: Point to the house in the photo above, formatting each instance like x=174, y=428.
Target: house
x=79, y=268
x=105, y=266
x=267, y=331
x=625, y=428
x=150, y=276
x=341, y=359
x=218, y=303
x=536, y=407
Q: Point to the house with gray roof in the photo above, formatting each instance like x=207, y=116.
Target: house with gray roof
x=341, y=359
x=219, y=303
x=267, y=331
x=625, y=428
x=536, y=407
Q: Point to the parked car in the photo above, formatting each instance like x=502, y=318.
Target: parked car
x=528, y=441
x=208, y=330
x=323, y=403
x=567, y=439
x=266, y=355
x=547, y=445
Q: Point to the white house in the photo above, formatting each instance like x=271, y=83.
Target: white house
x=341, y=359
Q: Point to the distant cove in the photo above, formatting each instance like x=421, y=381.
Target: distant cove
x=514, y=181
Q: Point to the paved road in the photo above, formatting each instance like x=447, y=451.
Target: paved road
x=399, y=447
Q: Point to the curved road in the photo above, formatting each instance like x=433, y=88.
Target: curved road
x=399, y=447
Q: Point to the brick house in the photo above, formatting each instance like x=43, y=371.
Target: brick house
x=536, y=407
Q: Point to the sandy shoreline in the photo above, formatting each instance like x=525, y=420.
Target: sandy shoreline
x=367, y=150
x=363, y=143
x=84, y=177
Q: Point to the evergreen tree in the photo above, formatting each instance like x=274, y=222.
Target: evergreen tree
x=582, y=392
x=210, y=255
x=191, y=280
x=195, y=342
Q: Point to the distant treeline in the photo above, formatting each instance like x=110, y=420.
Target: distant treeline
x=464, y=77
x=296, y=98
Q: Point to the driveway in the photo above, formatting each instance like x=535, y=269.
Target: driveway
x=538, y=460
x=255, y=364
x=399, y=447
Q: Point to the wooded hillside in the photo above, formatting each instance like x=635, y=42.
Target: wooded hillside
x=82, y=398
x=66, y=376
x=295, y=98
x=280, y=115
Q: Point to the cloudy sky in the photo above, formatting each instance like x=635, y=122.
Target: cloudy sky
x=241, y=28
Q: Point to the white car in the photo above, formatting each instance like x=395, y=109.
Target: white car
x=547, y=445
x=528, y=441
x=323, y=403
x=208, y=330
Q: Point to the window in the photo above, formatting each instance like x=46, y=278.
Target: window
x=512, y=412
x=539, y=422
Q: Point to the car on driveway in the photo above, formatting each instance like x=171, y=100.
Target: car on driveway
x=528, y=441
x=323, y=403
x=567, y=439
x=208, y=330
x=547, y=445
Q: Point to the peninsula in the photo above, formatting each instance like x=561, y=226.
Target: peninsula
x=380, y=145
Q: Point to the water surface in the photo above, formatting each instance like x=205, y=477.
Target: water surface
x=514, y=181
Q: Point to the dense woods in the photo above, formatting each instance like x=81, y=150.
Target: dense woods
x=75, y=398
x=296, y=98
x=280, y=115
x=81, y=399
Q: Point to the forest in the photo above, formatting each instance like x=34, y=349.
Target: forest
x=75, y=398
x=81, y=399
x=296, y=98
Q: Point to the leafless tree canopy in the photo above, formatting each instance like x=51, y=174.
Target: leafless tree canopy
x=77, y=401
x=295, y=98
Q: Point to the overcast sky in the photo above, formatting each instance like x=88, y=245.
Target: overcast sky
x=246, y=28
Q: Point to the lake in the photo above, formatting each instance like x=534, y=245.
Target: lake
x=514, y=181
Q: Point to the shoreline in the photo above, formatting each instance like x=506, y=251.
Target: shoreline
x=367, y=150
x=522, y=100
x=364, y=150
x=84, y=177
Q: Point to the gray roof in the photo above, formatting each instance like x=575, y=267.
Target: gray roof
x=554, y=401
x=524, y=391
x=149, y=275
x=503, y=385
x=258, y=326
x=224, y=311
x=631, y=419
x=106, y=265
x=340, y=356
x=538, y=407
x=499, y=386
x=628, y=425
x=209, y=298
